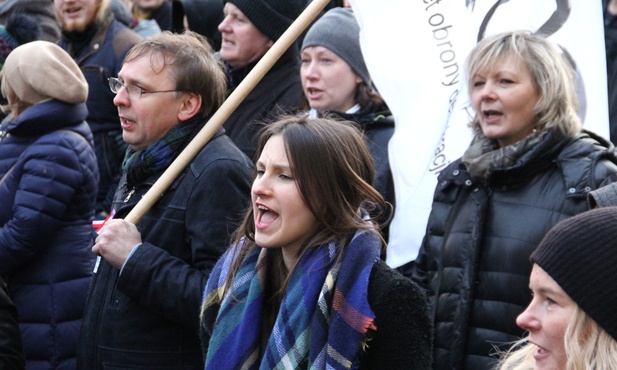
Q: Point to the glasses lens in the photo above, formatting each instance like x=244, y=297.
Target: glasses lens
x=114, y=84
x=134, y=91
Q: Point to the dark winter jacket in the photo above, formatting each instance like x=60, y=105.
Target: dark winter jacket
x=612, y=99
x=474, y=260
x=278, y=92
x=610, y=43
x=403, y=324
x=11, y=351
x=610, y=34
x=162, y=15
x=148, y=316
x=99, y=52
x=46, y=216
x=377, y=125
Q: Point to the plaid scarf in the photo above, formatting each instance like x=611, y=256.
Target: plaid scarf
x=323, y=319
x=140, y=165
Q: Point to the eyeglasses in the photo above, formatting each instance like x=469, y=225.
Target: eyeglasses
x=135, y=92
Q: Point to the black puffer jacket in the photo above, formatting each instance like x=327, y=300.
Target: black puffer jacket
x=474, y=261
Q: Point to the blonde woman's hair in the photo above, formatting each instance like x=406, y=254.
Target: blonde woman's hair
x=587, y=346
x=103, y=11
x=15, y=106
x=552, y=76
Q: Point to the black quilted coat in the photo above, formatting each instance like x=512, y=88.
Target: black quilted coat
x=474, y=260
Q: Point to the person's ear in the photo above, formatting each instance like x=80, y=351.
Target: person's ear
x=191, y=104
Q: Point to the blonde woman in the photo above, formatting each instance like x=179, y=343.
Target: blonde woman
x=529, y=166
x=570, y=321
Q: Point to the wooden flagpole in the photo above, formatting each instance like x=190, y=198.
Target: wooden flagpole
x=230, y=104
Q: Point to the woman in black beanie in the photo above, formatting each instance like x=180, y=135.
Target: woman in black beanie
x=571, y=319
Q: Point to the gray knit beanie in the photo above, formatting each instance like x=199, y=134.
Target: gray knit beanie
x=271, y=17
x=339, y=32
x=580, y=254
x=41, y=70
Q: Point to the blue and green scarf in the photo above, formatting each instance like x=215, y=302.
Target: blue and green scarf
x=141, y=164
x=323, y=319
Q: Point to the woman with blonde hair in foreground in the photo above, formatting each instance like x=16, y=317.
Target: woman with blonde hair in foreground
x=571, y=319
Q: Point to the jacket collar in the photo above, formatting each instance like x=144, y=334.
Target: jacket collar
x=94, y=38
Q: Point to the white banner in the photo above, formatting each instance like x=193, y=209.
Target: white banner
x=415, y=51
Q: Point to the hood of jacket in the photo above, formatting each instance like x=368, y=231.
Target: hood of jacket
x=373, y=114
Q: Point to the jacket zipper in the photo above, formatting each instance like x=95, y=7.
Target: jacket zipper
x=130, y=194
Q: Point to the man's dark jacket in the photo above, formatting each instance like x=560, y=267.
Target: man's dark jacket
x=278, y=92
x=147, y=317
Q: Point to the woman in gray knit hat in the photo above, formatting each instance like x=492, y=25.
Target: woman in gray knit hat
x=571, y=319
x=336, y=82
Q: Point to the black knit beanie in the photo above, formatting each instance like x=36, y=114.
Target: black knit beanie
x=271, y=17
x=20, y=28
x=339, y=32
x=580, y=254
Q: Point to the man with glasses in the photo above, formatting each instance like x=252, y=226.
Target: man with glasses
x=144, y=301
